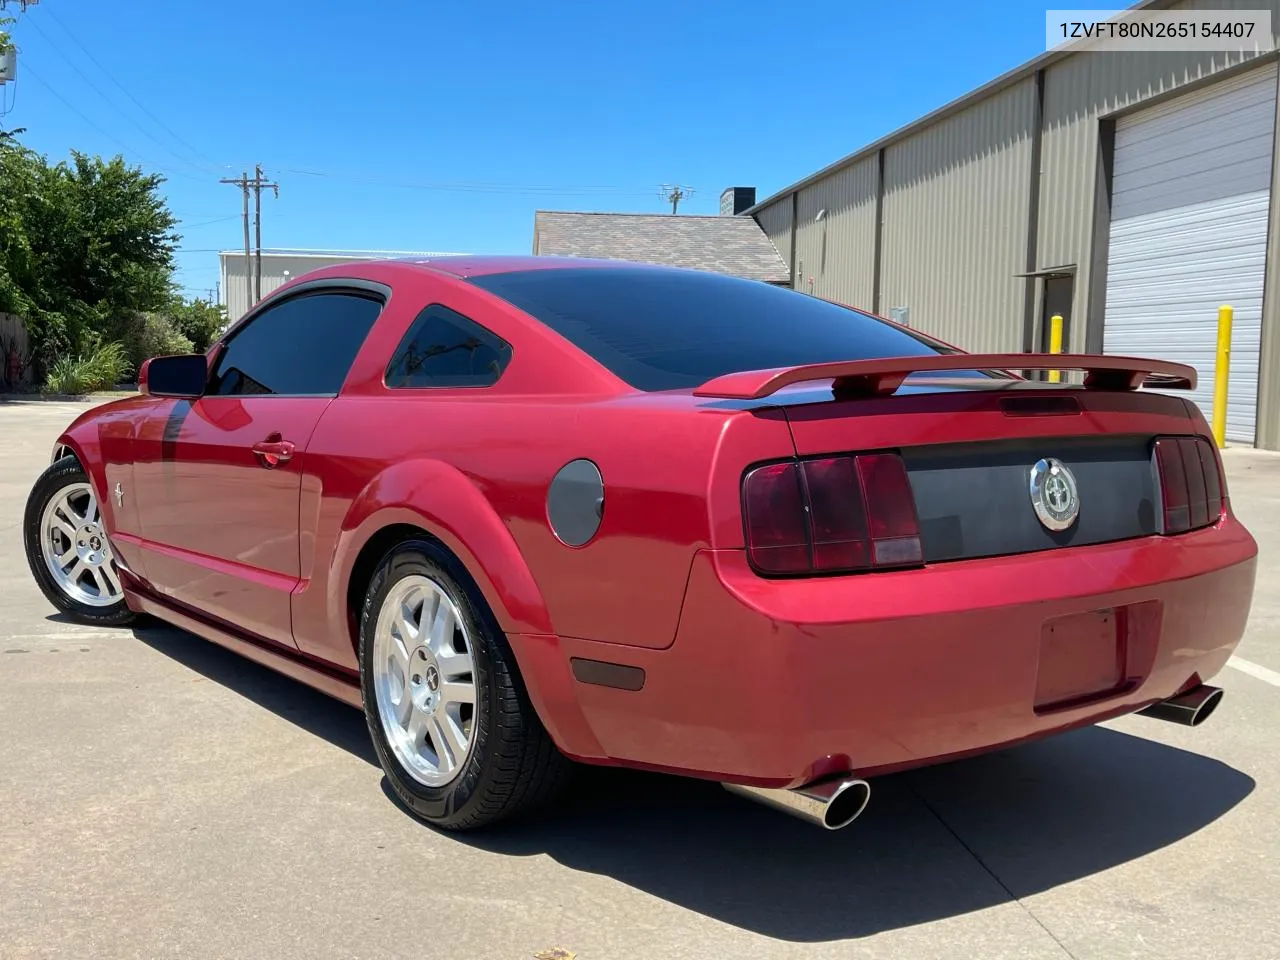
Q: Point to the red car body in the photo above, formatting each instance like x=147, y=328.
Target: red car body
x=658, y=644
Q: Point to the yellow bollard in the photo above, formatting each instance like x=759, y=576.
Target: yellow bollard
x=1055, y=344
x=1221, y=372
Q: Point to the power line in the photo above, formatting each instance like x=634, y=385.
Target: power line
x=243, y=184
x=253, y=278
x=26, y=68
x=258, y=184
x=206, y=223
x=472, y=186
x=165, y=127
x=202, y=159
x=674, y=195
x=93, y=86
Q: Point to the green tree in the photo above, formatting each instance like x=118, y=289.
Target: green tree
x=198, y=320
x=85, y=246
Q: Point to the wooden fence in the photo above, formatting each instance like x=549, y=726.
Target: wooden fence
x=13, y=336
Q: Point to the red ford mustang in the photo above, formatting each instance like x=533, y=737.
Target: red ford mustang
x=529, y=509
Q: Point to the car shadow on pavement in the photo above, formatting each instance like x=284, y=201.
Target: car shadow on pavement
x=309, y=709
x=934, y=843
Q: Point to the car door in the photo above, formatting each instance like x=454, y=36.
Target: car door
x=218, y=479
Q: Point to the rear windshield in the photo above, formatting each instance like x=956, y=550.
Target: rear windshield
x=676, y=329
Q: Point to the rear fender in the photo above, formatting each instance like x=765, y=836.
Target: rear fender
x=443, y=501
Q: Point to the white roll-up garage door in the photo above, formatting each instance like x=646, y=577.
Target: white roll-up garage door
x=1191, y=185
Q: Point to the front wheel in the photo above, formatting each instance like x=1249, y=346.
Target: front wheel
x=451, y=723
x=67, y=547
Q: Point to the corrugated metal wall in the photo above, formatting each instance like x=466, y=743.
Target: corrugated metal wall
x=1078, y=90
x=835, y=256
x=957, y=198
x=234, y=292
x=955, y=222
x=775, y=220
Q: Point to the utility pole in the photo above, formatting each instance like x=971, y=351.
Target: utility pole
x=258, y=184
x=243, y=184
x=252, y=270
x=674, y=195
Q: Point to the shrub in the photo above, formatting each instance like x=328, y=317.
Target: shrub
x=101, y=369
x=154, y=335
x=199, y=321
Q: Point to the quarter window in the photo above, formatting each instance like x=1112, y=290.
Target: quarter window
x=304, y=346
x=445, y=349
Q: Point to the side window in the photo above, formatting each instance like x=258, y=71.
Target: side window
x=303, y=347
x=445, y=349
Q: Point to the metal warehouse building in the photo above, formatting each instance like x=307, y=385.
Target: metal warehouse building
x=1129, y=192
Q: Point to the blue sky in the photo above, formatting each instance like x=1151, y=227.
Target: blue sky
x=415, y=125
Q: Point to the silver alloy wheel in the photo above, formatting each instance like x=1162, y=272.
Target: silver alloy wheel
x=424, y=680
x=75, y=547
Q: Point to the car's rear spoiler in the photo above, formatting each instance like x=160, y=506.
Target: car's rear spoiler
x=885, y=375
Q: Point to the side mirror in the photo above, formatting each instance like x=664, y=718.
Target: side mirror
x=181, y=376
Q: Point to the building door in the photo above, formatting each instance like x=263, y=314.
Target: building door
x=1058, y=291
x=1191, y=189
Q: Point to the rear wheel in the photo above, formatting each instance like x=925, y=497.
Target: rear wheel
x=67, y=547
x=450, y=721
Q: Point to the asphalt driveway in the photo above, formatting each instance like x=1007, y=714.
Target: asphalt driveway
x=161, y=797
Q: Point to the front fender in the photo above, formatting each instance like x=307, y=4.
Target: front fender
x=442, y=500
x=83, y=441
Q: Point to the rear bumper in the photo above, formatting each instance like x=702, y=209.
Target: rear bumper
x=778, y=682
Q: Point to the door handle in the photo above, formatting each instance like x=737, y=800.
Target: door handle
x=272, y=453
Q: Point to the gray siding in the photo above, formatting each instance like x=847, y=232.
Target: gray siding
x=234, y=293
x=955, y=222
x=1078, y=91
x=835, y=257
x=775, y=221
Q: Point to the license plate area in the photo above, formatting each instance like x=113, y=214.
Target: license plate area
x=1095, y=654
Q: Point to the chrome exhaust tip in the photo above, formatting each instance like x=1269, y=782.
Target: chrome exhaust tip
x=1189, y=709
x=831, y=804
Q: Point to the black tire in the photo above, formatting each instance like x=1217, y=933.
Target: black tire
x=60, y=475
x=513, y=766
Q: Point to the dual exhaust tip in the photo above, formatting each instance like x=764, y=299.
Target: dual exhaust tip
x=832, y=804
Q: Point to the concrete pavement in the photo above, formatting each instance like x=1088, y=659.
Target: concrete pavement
x=161, y=797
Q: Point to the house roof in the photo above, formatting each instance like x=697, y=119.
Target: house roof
x=721, y=244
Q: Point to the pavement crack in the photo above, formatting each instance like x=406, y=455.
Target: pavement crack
x=991, y=873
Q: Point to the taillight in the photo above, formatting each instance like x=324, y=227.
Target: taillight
x=1190, y=483
x=831, y=515
x=891, y=510
x=777, y=528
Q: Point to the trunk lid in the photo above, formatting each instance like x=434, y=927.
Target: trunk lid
x=969, y=451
